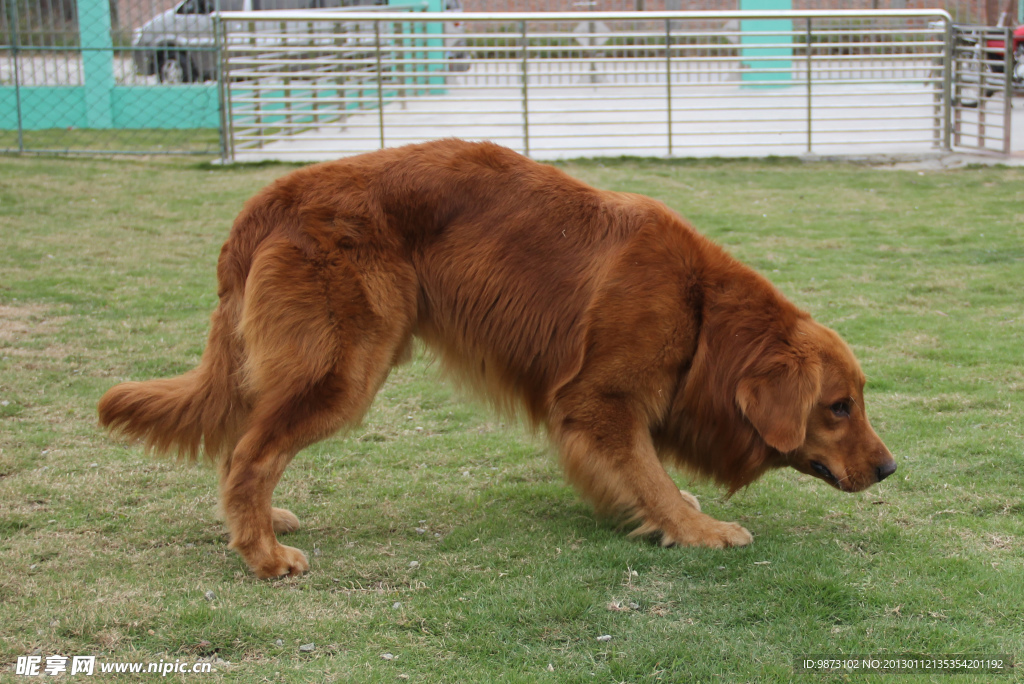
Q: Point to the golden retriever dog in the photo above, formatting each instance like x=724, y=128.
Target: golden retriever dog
x=602, y=316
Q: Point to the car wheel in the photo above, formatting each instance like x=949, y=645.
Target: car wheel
x=174, y=68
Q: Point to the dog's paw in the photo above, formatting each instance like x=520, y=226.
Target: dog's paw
x=721, y=535
x=709, y=533
x=284, y=520
x=282, y=561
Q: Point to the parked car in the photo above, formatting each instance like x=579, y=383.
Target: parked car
x=181, y=41
x=179, y=47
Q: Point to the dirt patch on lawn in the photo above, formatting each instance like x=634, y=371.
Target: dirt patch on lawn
x=18, y=322
x=23, y=327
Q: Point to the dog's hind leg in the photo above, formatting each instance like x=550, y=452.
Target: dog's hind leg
x=607, y=453
x=319, y=338
x=282, y=424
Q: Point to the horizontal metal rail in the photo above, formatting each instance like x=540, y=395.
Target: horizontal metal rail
x=576, y=17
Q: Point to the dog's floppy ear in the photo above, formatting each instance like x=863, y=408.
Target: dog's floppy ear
x=777, y=398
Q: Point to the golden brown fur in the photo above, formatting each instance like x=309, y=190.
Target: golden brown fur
x=601, y=316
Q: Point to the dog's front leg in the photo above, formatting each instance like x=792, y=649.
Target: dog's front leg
x=608, y=455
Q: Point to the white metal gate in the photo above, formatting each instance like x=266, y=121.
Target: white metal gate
x=316, y=85
x=982, y=88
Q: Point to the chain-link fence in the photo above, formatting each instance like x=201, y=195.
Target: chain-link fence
x=140, y=76
x=71, y=81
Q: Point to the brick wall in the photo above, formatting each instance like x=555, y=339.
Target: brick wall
x=136, y=12
x=967, y=11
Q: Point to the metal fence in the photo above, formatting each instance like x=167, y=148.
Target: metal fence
x=115, y=76
x=93, y=76
x=561, y=85
x=69, y=83
x=981, y=71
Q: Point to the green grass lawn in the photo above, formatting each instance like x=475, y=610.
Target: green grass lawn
x=445, y=546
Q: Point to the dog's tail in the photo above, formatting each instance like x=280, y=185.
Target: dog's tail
x=201, y=408
x=206, y=408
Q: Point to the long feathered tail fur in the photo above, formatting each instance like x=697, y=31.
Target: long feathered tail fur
x=199, y=410
x=204, y=410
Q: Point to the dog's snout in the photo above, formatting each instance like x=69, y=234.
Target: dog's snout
x=885, y=470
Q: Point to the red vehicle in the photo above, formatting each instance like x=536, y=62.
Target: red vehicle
x=995, y=52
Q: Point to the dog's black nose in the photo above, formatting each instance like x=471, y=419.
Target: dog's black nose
x=886, y=470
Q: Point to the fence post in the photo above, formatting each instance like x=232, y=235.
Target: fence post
x=97, y=61
x=222, y=85
x=380, y=84
x=938, y=97
x=12, y=25
x=947, y=90
x=807, y=47
x=1007, y=87
x=668, y=80
x=526, y=102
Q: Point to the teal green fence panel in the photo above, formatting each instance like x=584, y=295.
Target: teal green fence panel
x=71, y=80
x=767, y=45
x=122, y=107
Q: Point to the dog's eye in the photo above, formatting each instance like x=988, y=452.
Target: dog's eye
x=841, y=409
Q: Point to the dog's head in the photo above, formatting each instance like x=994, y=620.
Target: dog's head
x=806, y=400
